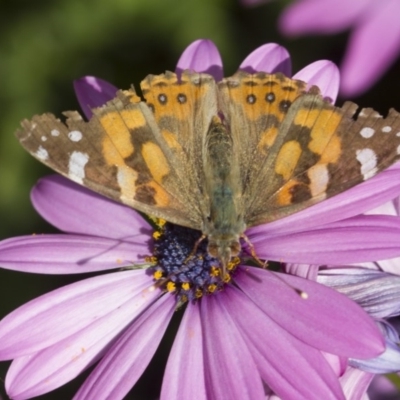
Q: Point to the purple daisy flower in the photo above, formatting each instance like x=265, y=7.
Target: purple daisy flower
x=255, y=330
x=374, y=42
x=378, y=293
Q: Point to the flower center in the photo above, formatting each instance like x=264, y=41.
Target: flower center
x=184, y=266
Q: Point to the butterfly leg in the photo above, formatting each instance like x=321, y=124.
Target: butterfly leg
x=263, y=264
x=196, y=245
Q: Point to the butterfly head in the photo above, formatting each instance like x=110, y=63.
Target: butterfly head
x=223, y=248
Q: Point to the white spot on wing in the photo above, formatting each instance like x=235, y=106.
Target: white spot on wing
x=319, y=179
x=75, y=136
x=43, y=138
x=55, y=132
x=367, y=159
x=387, y=129
x=367, y=132
x=398, y=149
x=76, y=166
x=126, y=178
x=41, y=153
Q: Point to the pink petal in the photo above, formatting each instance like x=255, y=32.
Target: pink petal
x=357, y=239
x=326, y=320
x=230, y=370
x=49, y=319
x=201, y=56
x=125, y=362
x=375, y=43
x=71, y=254
x=73, y=208
x=324, y=74
x=355, y=383
x=306, y=271
x=93, y=92
x=270, y=58
x=274, y=350
x=184, y=376
x=316, y=16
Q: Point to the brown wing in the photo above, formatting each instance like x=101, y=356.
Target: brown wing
x=318, y=150
x=136, y=153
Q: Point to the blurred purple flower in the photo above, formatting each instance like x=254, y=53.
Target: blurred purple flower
x=228, y=343
x=374, y=43
x=382, y=388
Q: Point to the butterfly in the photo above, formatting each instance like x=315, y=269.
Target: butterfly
x=218, y=157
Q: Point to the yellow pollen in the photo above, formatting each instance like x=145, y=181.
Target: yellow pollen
x=157, y=275
x=158, y=221
x=212, y=288
x=157, y=235
x=171, y=287
x=227, y=278
x=215, y=271
x=151, y=259
x=233, y=263
x=118, y=261
x=184, y=299
x=198, y=294
x=186, y=286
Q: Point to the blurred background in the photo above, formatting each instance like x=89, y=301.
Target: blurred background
x=45, y=45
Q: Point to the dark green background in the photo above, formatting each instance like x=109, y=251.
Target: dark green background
x=45, y=44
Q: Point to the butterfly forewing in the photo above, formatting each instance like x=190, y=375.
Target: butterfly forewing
x=183, y=109
x=325, y=151
x=119, y=153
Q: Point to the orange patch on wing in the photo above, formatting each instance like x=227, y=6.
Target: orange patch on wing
x=155, y=161
x=117, y=142
x=161, y=197
x=288, y=158
x=178, y=96
x=170, y=138
x=268, y=138
x=281, y=89
x=133, y=118
x=284, y=197
x=326, y=121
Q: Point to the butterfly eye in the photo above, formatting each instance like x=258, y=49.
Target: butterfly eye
x=162, y=98
x=251, y=99
x=284, y=105
x=212, y=249
x=181, y=98
x=235, y=248
x=270, y=97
